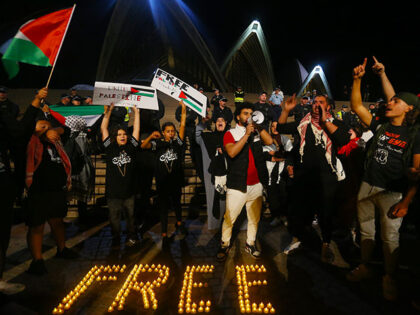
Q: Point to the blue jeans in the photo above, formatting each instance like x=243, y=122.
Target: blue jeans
x=116, y=207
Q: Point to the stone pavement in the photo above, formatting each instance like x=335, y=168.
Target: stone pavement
x=297, y=284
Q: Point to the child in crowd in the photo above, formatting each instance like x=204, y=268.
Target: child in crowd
x=120, y=151
x=168, y=171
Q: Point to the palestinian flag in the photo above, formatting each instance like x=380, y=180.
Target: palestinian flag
x=37, y=42
x=90, y=113
x=143, y=92
x=188, y=99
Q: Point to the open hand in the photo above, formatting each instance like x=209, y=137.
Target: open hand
x=360, y=70
x=378, y=68
x=322, y=115
x=290, y=103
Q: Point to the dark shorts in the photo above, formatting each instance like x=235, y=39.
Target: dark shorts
x=42, y=206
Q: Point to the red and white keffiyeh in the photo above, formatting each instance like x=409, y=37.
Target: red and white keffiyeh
x=321, y=138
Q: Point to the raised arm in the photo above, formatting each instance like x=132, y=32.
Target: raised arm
x=183, y=120
x=379, y=69
x=288, y=106
x=42, y=94
x=105, y=121
x=146, y=143
x=356, y=96
x=233, y=149
x=265, y=137
x=136, y=126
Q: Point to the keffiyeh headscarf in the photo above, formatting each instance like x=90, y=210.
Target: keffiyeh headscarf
x=76, y=123
x=321, y=138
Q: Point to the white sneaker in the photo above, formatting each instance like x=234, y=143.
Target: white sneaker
x=11, y=288
x=295, y=244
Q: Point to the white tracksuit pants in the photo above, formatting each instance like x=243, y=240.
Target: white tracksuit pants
x=235, y=200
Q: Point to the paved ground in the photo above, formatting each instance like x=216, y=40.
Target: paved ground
x=297, y=284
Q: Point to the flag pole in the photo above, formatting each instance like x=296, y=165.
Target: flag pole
x=61, y=44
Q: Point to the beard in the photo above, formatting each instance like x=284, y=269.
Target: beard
x=315, y=115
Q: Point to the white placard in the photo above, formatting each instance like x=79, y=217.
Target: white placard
x=179, y=90
x=122, y=94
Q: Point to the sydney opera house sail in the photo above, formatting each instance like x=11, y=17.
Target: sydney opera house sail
x=248, y=64
x=146, y=34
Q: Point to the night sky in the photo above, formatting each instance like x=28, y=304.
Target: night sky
x=335, y=34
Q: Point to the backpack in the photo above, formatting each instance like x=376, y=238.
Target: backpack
x=75, y=154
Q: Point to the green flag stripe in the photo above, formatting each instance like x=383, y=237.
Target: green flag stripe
x=27, y=52
x=11, y=67
x=144, y=94
x=192, y=104
x=81, y=110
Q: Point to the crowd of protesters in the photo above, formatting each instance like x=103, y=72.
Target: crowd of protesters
x=307, y=164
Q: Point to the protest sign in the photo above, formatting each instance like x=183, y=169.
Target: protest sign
x=179, y=90
x=121, y=94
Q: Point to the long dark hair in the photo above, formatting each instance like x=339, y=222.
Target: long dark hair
x=114, y=132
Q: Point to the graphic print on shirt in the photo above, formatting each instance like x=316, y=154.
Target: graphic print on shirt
x=53, y=155
x=122, y=160
x=168, y=159
x=386, y=143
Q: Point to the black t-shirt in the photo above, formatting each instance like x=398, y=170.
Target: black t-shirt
x=50, y=174
x=168, y=169
x=313, y=155
x=386, y=170
x=120, y=168
x=313, y=158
